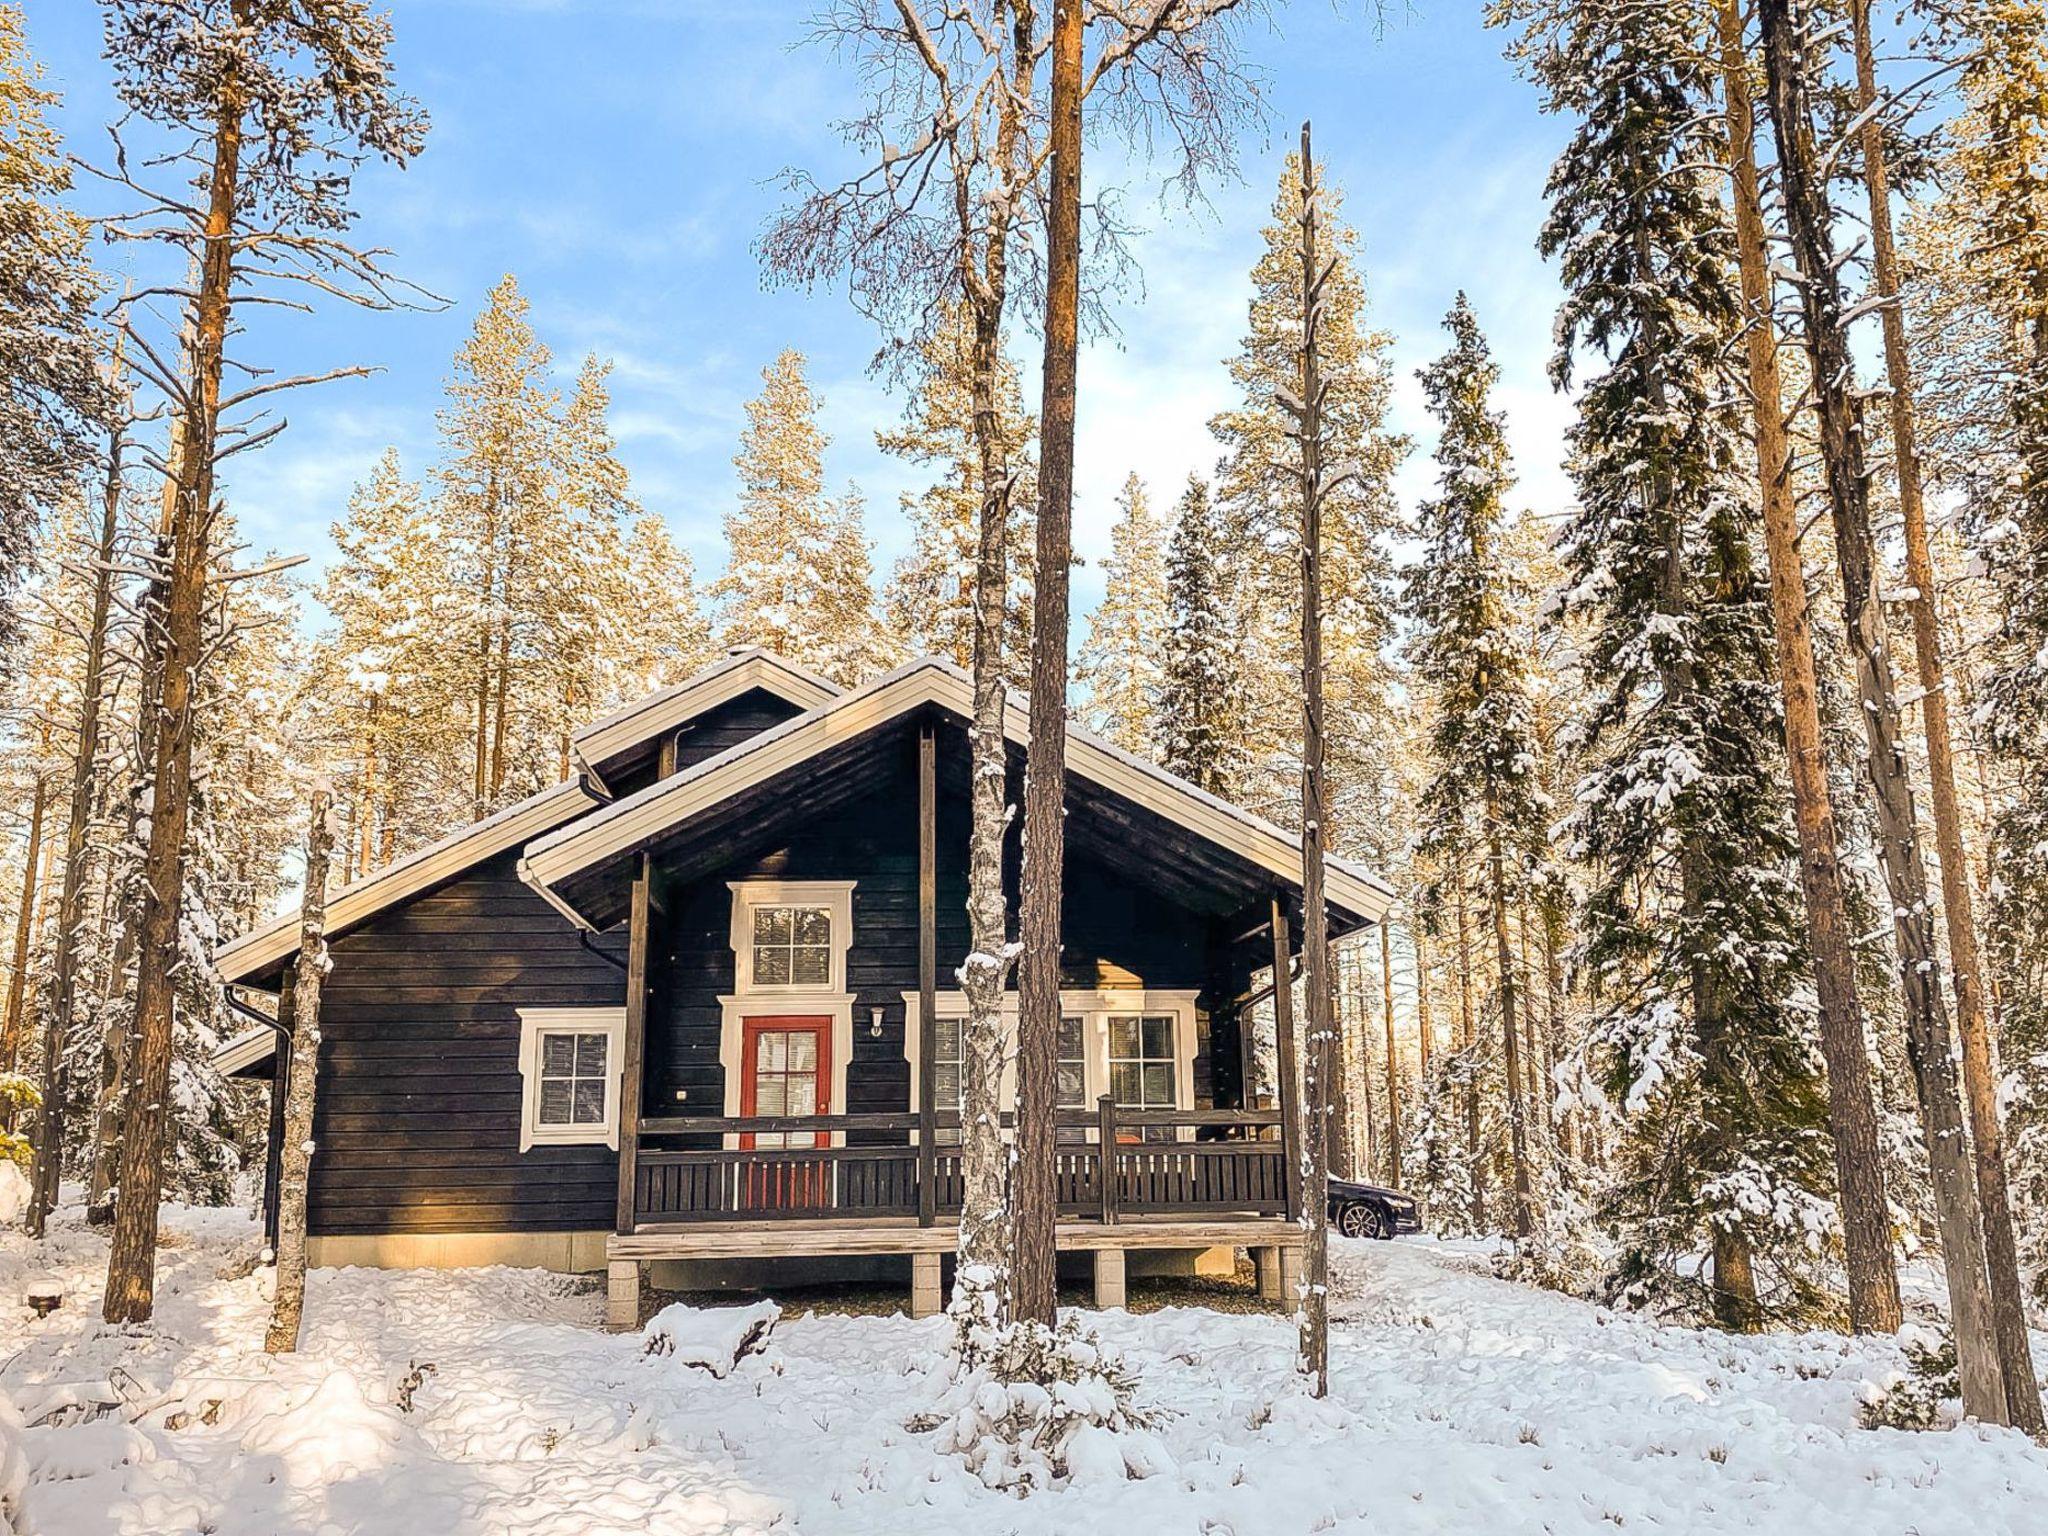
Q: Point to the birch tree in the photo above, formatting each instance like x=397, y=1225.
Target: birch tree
x=942, y=213
x=301, y=1021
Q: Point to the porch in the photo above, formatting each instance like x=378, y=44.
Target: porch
x=1124, y=1180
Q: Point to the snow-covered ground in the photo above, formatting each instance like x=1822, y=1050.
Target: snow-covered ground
x=1459, y=1403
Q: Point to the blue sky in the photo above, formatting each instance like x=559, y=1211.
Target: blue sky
x=619, y=156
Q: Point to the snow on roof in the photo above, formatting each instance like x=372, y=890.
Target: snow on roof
x=627, y=823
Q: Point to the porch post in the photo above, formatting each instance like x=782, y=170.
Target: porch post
x=927, y=975
x=635, y=1048
x=1283, y=1039
x=280, y=1083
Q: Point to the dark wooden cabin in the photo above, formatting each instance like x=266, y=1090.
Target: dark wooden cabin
x=698, y=1006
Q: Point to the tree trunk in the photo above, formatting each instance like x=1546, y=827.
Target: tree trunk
x=1320, y=1058
x=1980, y=1073
x=1734, y=1282
x=1852, y=1114
x=1034, y=1297
x=1518, y=1131
x=1468, y=1039
x=295, y=1155
x=1810, y=225
x=1393, y=1057
x=49, y=1138
x=1425, y=1031
x=24, y=935
x=131, y=1262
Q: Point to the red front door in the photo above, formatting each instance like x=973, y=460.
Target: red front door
x=787, y=1073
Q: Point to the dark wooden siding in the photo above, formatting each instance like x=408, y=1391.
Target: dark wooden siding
x=714, y=731
x=417, y=1122
x=1117, y=935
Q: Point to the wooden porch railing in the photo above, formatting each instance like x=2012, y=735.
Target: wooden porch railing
x=1137, y=1162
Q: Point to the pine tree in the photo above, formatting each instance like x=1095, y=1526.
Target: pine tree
x=1482, y=801
x=1119, y=665
x=1257, y=494
x=52, y=394
x=1692, y=931
x=390, y=691
x=1199, y=731
x=498, y=517
x=663, y=635
x=930, y=595
x=798, y=576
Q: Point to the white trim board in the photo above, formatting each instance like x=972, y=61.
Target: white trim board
x=639, y=818
x=674, y=707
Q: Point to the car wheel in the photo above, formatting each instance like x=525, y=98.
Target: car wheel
x=1361, y=1221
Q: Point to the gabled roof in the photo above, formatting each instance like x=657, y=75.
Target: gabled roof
x=605, y=742
x=628, y=825
x=257, y=951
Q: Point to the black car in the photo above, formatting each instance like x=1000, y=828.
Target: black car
x=1371, y=1210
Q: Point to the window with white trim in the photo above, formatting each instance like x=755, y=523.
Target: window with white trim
x=569, y=1065
x=1141, y=1061
x=1071, y=1081
x=791, y=936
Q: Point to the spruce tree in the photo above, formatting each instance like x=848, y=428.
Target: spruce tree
x=1692, y=929
x=1120, y=666
x=1198, y=732
x=1482, y=801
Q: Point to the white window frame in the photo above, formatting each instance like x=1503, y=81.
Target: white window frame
x=1094, y=1007
x=609, y=1022
x=835, y=896
x=750, y=1000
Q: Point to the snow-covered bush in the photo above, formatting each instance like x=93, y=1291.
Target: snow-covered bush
x=1031, y=1407
x=713, y=1339
x=1918, y=1397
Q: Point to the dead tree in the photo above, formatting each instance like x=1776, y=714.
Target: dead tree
x=295, y=1150
x=65, y=965
x=274, y=110
x=1810, y=225
x=1319, y=1056
x=1966, y=970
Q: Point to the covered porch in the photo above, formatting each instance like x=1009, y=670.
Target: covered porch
x=1177, y=912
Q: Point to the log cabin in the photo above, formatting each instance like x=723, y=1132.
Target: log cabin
x=693, y=1011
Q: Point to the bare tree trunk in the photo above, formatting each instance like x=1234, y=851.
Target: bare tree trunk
x=981, y=1287
x=1320, y=1058
x=1393, y=1057
x=1468, y=1039
x=49, y=1137
x=1980, y=1073
x=1425, y=1031
x=1852, y=1114
x=131, y=1261
x=1810, y=224
x=24, y=934
x=295, y=1154
x=1034, y=1296
x=1518, y=1131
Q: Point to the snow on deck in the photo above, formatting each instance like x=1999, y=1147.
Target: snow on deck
x=1459, y=1403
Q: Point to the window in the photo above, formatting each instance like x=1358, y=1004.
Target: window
x=569, y=1063
x=1073, y=1063
x=1141, y=1061
x=792, y=947
x=791, y=936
